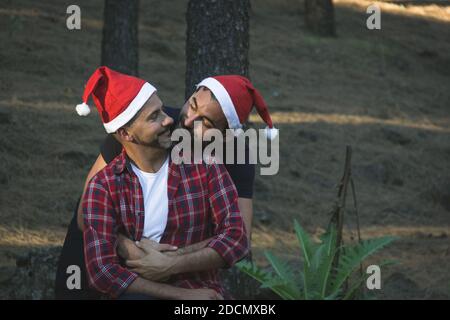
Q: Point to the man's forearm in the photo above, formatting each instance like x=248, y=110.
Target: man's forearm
x=128, y=250
x=246, y=208
x=154, y=289
x=200, y=260
x=189, y=249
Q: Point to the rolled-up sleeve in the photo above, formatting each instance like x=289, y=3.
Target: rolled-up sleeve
x=230, y=239
x=105, y=274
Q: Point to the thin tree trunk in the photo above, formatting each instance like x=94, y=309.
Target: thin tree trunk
x=120, y=36
x=217, y=39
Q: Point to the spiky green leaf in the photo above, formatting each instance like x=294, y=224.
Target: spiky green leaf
x=352, y=256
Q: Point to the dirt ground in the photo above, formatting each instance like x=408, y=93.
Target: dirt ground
x=384, y=92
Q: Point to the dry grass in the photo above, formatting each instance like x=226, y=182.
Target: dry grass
x=343, y=119
x=438, y=11
x=23, y=237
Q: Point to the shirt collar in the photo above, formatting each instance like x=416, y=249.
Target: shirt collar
x=122, y=162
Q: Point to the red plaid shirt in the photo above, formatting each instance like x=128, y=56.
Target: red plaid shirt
x=202, y=204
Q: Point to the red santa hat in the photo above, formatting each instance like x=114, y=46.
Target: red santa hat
x=237, y=96
x=118, y=97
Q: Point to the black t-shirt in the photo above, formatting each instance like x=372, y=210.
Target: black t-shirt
x=243, y=175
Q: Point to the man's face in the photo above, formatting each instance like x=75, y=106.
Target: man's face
x=202, y=107
x=152, y=126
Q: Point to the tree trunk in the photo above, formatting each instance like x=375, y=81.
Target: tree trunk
x=217, y=39
x=120, y=36
x=319, y=17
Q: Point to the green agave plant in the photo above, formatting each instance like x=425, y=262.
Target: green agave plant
x=318, y=279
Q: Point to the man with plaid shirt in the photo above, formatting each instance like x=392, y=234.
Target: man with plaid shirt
x=201, y=202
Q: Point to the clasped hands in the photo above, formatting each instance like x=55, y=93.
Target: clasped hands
x=148, y=258
x=157, y=262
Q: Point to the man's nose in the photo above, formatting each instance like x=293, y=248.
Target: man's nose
x=189, y=121
x=167, y=122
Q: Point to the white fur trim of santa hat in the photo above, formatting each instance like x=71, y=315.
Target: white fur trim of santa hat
x=224, y=100
x=141, y=98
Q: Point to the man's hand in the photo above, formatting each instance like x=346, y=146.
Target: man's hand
x=155, y=265
x=128, y=249
x=199, y=294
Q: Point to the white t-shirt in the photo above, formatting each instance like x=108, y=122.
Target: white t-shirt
x=156, y=204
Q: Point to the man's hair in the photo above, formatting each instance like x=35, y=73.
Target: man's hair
x=127, y=125
x=132, y=120
x=213, y=97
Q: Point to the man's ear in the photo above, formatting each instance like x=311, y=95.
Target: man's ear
x=125, y=135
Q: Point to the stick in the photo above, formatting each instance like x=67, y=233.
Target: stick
x=358, y=229
x=338, y=214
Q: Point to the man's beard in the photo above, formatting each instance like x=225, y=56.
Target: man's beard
x=155, y=142
x=181, y=120
x=204, y=143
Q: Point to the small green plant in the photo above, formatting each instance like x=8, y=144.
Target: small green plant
x=318, y=278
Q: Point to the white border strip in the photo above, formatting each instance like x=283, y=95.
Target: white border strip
x=224, y=100
x=144, y=94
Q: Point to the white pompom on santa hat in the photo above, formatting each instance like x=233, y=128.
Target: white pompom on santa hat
x=118, y=97
x=237, y=96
